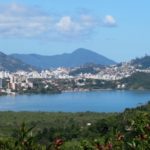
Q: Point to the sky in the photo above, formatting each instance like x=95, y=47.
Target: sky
x=119, y=30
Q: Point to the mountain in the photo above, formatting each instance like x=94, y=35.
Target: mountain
x=77, y=58
x=143, y=62
x=11, y=64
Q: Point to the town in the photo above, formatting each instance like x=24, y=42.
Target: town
x=62, y=79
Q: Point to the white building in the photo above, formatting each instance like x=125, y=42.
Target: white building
x=1, y=83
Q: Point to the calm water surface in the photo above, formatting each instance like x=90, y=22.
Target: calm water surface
x=97, y=101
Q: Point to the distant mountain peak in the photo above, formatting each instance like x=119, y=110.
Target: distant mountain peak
x=78, y=57
x=83, y=50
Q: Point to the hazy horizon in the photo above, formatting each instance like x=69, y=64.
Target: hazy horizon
x=117, y=29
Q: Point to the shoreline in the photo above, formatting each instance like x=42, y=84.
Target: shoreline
x=108, y=89
x=73, y=91
x=86, y=90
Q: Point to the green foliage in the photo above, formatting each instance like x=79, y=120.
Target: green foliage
x=24, y=137
x=142, y=62
x=40, y=86
x=87, y=68
x=72, y=145
x=139, y=80
x=129, y=130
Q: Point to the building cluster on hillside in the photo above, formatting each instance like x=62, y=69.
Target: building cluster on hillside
x=112, y=72
x=21, y=79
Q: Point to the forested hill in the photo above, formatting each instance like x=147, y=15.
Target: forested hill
x=143, y=62
x=11, y=64
x=77, y=58
x=138, y=80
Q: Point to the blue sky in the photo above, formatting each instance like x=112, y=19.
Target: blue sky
x=116, y=29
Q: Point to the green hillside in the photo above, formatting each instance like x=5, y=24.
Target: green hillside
x=139, y=80
x=143, y=62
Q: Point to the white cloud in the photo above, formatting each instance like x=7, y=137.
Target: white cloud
x=19, y=21
x=29, y=22
x=16, y=8
x=72, y=27
x=65, y=24
x=109, y=21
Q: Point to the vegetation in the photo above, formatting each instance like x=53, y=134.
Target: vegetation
x=84, y=84
x=76, y=58
x=40, y=86
x=11, y=64
x=87, y=68
x=139, y=80
x=129, y=130
x=143, y=62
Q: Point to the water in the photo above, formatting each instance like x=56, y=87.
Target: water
x=96, y=101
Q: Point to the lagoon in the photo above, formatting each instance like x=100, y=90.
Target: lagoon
x=94, y=101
